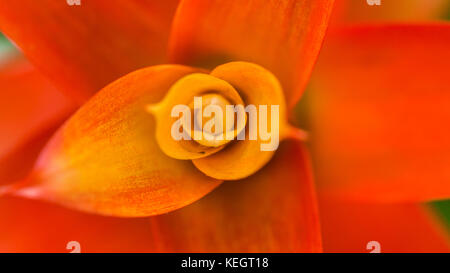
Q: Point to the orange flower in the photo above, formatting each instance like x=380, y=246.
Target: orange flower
x=111, y=157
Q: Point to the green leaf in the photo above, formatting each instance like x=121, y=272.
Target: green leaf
x=442, y=209
x=6, y=47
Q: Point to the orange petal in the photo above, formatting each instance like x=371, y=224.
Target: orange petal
x=283, y=36
x=30, y=111
x=105, y=159
x=380, y=108
x=34, y=226
x=271, y=211
x=389, y=10
x=349, y=227
x=83, y=48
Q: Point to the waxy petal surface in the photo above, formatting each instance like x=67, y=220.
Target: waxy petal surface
x=105, y=159
x=83, y=48
x=380, y=106
x=274, y=210
x=283, y=36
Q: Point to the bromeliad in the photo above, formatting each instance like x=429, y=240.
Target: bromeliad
x=115, y=155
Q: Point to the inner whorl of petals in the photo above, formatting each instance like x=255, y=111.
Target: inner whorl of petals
x=206, y=117
x=214, y=121
x=226, y=147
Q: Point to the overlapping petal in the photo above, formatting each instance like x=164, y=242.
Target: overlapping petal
x=34, y=226
x=83, y=48
x=271, y=211
x=105, y=158
x=350, y=226
x=380, y=105
x=283, y=36
x=30, y=111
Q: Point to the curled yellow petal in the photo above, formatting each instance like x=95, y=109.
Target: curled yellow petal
x=258, y=120
x=184, y=92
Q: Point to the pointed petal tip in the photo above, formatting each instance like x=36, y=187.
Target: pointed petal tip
x=23, y=188
x=16, y=189
x=152, y=108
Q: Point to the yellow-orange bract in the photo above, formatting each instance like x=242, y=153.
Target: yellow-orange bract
x=105, y=158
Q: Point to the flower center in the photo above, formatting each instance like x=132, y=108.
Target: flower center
x=215, y=121
x=238, y=105
x=202, y=117
x=209, y=120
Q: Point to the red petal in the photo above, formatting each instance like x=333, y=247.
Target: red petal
x=83, y=48
x=349, y=227
x=380, y=108
x=283, y=36
x=32, y=226
x=272, y=211
x=30, y=110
